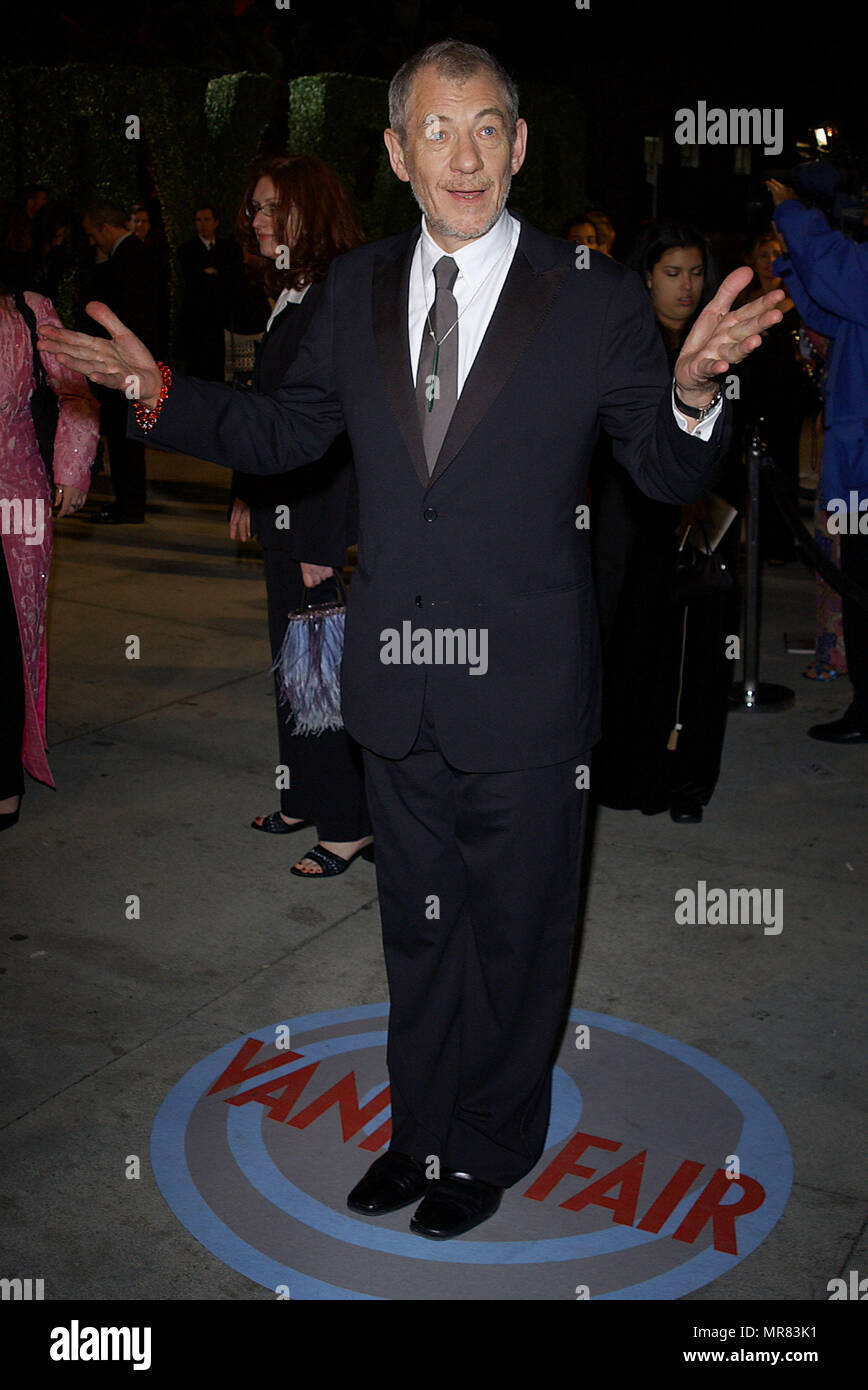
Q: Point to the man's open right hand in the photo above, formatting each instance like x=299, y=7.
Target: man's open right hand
x=121, y=361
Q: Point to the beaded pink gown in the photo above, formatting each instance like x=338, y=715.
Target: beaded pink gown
x=23, y=484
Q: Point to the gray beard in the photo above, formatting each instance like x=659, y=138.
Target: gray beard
x=446, y=229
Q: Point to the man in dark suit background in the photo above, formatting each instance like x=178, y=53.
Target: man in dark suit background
x=124, y=278
x=212, y=268
x=471, y=362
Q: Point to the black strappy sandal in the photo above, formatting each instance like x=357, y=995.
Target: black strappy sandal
x=276, y=825
x=332, y=864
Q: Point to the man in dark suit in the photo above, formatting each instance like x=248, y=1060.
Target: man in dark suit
x=471, y=362
x=125, y=279
x=211, y=268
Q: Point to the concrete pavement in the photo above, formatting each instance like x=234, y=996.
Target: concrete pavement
x=161, y=761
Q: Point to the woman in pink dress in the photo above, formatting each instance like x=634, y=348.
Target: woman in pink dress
x=26, y=535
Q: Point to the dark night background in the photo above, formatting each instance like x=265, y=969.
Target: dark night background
x=633, y=65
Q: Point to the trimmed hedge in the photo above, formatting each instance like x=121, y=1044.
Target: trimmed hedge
x=68, y=129
x=237, y=111
x=550, y=187
x=342, y=119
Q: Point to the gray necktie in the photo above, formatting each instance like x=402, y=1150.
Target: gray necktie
x=439, y=386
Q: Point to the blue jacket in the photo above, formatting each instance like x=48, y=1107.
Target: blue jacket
x=826, y=276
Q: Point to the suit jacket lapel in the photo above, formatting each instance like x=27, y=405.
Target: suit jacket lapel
x=524, y=301
x=277, y=350
x=390, y=297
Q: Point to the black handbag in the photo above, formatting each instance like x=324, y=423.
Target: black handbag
x=700, y=573
x=44, y=407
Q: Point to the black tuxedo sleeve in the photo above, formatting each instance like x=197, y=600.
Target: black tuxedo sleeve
x=136, y=297
x=256, y=433
x=663, y=460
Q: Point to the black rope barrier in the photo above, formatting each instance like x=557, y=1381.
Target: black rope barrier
x=782, y=496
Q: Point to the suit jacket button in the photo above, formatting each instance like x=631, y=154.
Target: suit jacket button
x=430, y=514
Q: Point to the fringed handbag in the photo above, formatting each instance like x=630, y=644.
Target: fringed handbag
x=308, y=665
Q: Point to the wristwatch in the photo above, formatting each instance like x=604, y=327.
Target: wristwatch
x=693, y=411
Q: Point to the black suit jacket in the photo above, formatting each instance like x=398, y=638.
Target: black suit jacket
x=217, y=294
x=489, y=542
x=321, y=496
x=206, y=273
x=128, y=283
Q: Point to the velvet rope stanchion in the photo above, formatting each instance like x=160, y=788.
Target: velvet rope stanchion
x=813, y=556
x=754, y=694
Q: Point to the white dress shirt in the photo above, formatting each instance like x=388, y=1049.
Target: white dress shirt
x=286, y=297
x=483, y=266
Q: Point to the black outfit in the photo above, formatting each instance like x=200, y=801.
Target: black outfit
x=326, y=775
x=50, y=273
x=478, y=993
x=645, y=638
x=478, y=922
x=776, y=390
x=217, y=296
x=854, y=566
x=128, y=283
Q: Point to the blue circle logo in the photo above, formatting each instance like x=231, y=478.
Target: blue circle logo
x=662, y=1169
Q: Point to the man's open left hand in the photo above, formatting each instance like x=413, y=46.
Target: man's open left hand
x=723, y=336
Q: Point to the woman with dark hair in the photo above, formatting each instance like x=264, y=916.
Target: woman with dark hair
x=675, y=263
x=26, y=530
x=296, y=215
x=666, y=673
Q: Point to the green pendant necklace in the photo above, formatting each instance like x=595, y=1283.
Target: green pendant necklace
x=437, y=343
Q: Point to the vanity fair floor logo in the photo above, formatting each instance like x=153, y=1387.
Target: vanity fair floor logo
x=662, y=1170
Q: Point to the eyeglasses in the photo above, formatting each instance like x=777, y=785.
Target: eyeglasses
x=269, y=207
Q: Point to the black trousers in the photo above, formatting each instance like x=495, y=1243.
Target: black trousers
x=854, y=564
x=478, y=877
x=325, y=770
x=205, y=352
x=11, y=691
x=648, y=655
x=126, y=457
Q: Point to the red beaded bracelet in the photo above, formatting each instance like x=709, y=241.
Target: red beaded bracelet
x=146, y=419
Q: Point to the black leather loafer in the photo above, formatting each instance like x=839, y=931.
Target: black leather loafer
x=456, y=1203
x=686, y=811
x=394, y=1180
x=847, y=729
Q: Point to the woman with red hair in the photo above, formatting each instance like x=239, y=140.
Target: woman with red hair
x=296, y=214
